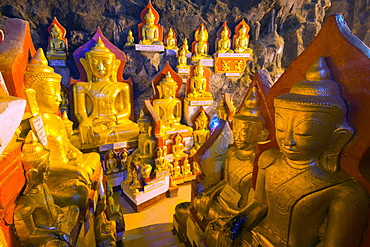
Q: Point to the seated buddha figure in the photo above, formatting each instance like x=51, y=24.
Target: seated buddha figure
x=242, y=41
x=130, y=39
x=102, y=105
x=186, y=45
x=178, y=148
x=38, y=220
x=70, y=170
x=150, y=31
x=301, y=197
x=146, y=139
x=161, y=164
x=171, y=43
x=201, y=132
x=105, y=229
x=198, y=85
x=57, y=46
x=182, y=60
x=111, y=163
x=248, y=131
x=224, y=43
x=201, y=46
x=168, y=107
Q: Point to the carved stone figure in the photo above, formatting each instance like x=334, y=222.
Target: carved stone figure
x=171, y=43
x=182, y=59
x=241, y=38
x=198, y=85
x=57, y=46
x=111, y=162
x=201, y=44
x=150, y=31
x=37, y=219
x=224, y=42
x=130, y=39
x=178, y=148
x=102, y=105
x=70, y=170
x=201, y=132
x=301, y=197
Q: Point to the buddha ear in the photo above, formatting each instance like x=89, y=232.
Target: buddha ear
x=338, y=140
x=263, y=136
x=87, y=69
x=31, y=176
x=115, y=67
x=32, y=105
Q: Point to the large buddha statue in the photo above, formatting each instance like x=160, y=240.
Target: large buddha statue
x=150, y=31
x=57, y=46
x=201, y=44
x=102, y=105
x=301, y=197
x=224, y=42
x=38, y=220
x=168, y=107
x=248, y=131
x=198, y=85
x=70, y=170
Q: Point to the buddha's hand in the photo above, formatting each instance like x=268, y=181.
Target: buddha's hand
x=216, y=234
x=86, y=131
x=202, y=204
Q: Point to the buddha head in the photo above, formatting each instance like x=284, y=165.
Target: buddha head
x=56, y=33
x=186, y=45
x=225, y=33
x=170, y=33
x=202, y=121
x=100, y=63
x=168, y=87
x=182, y=52
x=178, y=139
x=243, y=30
x=42, y=84
x=199, y=70
x=35, y=162
x=202, y=34
x=310, y=119
x=249, y=126
x=149, y=17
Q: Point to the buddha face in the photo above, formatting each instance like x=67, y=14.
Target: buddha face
x=48, y=97
x=303, y=134
x=101, y=64
x=168, y=90
x=199, y=70
x=224, y=33
x=243, y=31
x=246, y=134
x=149, y=17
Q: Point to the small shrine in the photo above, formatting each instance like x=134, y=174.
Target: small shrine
x=57, y=44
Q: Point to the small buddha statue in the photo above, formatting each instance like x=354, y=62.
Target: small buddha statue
x=129, y=177
x=130, y=39
x=114, y=209
x=186, y=168
x=198, y=85
x=196, y=167
x=201, y=132
x=178, y=148
x=146, y=139
x=201, y=45
x=224, y=43
x=160, y=162
x=186, y=46
x=102, y=105
x=125, y=160
x=301, y=197
x=37, y=219
x=150, y=31
x=248, y=131
x=242, y=41
x=146, y=170
x=171, y=43
x=176, y=171
x=105, y=230
x=111, y=163
x=136, y=184
x=182, y=60
x=168, y=107
x=70, y=170
x=57, y=46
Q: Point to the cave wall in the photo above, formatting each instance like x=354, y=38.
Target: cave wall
x=280, y=30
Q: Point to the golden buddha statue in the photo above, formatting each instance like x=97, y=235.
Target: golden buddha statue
x=57, y=46
x=201, y=132
x=160, y=162
x=150, y=31
x=301, y=197
x=224, y=43
x=178, y=148
x=198, y=85
x=105, y=230
x=201, y=45
x=70, y=170
x=114, y=209
x=182, y=60
x=136, y=184
x=129, y=177
x=145, y=170
x=248, y=131
x=102, y=105
x=170, y=40
x=130, y=39
x=186, y=46
x=242, y=41
x=186, y=168
x=196, y=167
x=111, y=163
x=176, y=171
x=168, y=107
x=37, y=219
x=146, y=139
